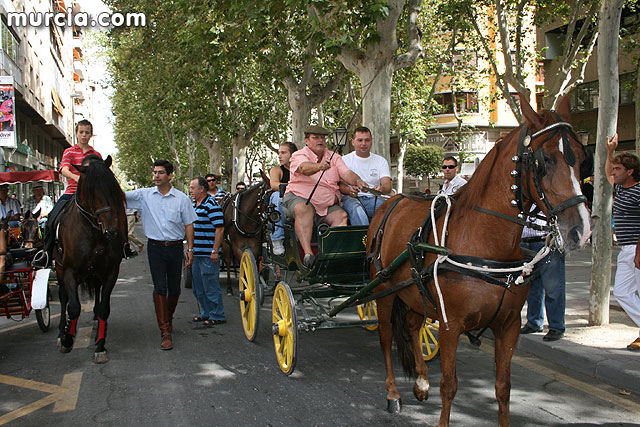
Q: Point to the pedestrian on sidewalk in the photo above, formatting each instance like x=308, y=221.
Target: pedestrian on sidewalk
x=167, y=218
x=623, y=172
x=547, y=287
x=208, y=231
x=132, y=218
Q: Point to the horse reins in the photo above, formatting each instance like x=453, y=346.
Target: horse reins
x=93, y=217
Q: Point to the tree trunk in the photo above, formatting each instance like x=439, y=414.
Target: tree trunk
x=240, y=143
x=400, y=177
x=636, y=98
x=609, y=20
x=300, y=111
x=376, y=103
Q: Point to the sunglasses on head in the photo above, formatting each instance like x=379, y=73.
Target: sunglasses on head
x=448, y=166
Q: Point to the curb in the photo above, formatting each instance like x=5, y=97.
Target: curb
x=616, y=367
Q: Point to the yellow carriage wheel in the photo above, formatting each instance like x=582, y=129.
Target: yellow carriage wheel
x=285, y=328
x=429, y=340
x=369, y=311
x=250, y=295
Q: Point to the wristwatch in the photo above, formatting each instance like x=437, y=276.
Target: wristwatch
x=190, y=250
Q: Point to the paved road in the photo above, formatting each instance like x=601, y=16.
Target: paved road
x=215, y=377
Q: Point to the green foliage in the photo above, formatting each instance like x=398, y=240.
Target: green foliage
x=423, y=160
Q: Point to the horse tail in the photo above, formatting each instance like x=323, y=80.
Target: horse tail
x=401, y=336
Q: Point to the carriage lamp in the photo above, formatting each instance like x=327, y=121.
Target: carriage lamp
x=340, y=137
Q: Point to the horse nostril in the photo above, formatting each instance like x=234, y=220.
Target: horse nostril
x=575, y=234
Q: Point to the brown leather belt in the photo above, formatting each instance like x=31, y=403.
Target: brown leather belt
x=165, y=243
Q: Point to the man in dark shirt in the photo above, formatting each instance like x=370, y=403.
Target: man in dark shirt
x=280, y=175
x=623, y=172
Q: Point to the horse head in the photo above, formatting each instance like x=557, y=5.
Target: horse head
x=30, y=230
x=99, y=197
x=549, y=165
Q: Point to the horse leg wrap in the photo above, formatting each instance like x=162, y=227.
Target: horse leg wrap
x=73, y=326
x=102, y=330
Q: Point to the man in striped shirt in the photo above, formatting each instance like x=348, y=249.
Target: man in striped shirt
x=623, y=172
x=208, y=231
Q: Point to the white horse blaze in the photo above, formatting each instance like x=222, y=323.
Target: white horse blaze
x=422, y=384
x=582, y=209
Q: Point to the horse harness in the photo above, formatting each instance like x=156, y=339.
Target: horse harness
x=533, y=164
x=235, y=201
x=93, y=218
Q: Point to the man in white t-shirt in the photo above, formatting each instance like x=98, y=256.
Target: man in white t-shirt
x=374, y=170
x=452, y=181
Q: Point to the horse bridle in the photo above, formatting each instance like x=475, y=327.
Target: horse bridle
x=531, y=163
x=235, y=204
x=94, y=217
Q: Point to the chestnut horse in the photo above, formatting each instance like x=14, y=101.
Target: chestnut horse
x=537, y=163
x=89, y=248
x=243, y=224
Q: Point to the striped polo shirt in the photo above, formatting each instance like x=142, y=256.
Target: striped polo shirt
x=74, y=156
x=209, y=218
x=626, y=214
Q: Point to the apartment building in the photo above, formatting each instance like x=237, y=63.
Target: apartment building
x=44, y=61
x=584, y=101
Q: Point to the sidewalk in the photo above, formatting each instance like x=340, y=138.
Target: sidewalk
x=597, y=351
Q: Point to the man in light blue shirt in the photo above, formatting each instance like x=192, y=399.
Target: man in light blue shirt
x=167, y=218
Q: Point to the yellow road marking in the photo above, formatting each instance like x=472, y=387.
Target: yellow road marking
x=592, y=390
x=70, y=382
x=65, y=396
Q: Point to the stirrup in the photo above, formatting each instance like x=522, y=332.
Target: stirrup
x=40, y=260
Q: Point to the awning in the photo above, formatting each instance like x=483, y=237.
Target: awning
x=57, y=105
x=29, y=176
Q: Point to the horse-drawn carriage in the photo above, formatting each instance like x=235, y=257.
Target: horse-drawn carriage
x=480, y=284
x=308, y=299
x=22, y=289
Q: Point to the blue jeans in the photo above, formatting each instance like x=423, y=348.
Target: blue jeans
x=278, y=230
x=206, y=287
x=360, y=209
x=550, y=286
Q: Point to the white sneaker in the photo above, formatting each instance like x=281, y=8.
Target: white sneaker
x=278, y=247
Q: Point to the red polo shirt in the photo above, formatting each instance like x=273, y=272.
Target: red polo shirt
x=74, y=156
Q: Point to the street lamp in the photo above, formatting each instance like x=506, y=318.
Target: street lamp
x=340, y=137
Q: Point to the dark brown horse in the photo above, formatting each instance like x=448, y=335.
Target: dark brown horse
x=30, y=230
x=540, y=164
x=243, y=224
x=89, y=248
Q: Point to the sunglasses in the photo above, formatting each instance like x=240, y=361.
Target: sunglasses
x=211, y=180
x=448, y=166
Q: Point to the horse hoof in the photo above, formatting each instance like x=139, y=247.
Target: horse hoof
x=62, y=348
x=421, y=395
x=100, y=357
x=394, y=406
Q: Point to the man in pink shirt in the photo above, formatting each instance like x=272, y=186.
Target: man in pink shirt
x=306, y=167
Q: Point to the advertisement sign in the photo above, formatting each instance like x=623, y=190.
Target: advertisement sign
x=7, y=113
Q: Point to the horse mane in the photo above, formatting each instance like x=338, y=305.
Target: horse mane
x=100, y=180
x=470, y=194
